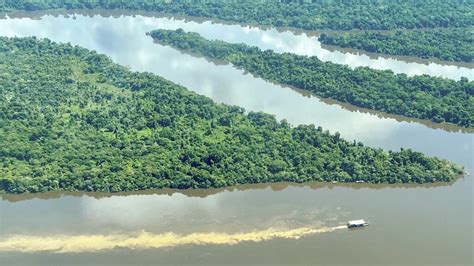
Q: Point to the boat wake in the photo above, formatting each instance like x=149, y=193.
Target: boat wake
x=147, y=240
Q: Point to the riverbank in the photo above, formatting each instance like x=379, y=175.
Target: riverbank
x=395, y=211
x=105, y=148
x=417, y=97
x=446, y=44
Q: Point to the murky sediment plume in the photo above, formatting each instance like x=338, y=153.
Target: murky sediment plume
x=147, y=240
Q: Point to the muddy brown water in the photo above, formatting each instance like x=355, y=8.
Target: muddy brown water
x=251, y=224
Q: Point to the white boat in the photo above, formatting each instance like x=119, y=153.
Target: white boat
x=357, y=223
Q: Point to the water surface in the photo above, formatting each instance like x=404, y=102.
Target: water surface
x=303, y=43
x=410, y=224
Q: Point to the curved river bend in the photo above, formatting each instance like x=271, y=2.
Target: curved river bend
x=249, y=224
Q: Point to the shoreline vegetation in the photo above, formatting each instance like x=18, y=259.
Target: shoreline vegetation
x=116, y=13
x=456, y=45
x=421, y=97
x=445, y=17
x=335, y=14
x=205, y=192
x=72, y=120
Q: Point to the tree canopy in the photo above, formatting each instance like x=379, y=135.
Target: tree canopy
x=452, y=45
x=303, y=14
x=445, y=44
x=71, y=119
x=424, y=97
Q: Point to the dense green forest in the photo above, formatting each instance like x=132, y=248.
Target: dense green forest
x=71, y=119
x=451, y=44
x=304, y=14
x=424, y=97
x=444, y=44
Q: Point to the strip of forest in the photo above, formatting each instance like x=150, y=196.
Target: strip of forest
x=424, y=97
x=72, y=120
x=445, y=17
x=444, y=44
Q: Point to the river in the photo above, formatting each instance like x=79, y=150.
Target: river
x=260, y=224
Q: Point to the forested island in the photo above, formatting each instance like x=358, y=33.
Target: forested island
x=444, y=44
x=424, y=97
x=71, y=119
x=302, y=14
x=426, y=29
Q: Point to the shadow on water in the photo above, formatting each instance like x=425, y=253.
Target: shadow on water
x=410, y=59
x=207, y=192
x=203, y=193
x=383, y=115
x=437, y=217
x=346, y=106
x=37, y=15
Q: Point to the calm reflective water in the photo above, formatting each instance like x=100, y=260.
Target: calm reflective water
x=410, y=225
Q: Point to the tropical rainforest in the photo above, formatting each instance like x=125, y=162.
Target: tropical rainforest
x=71, y=119
x=303, y=14
x=424, y=97
x=444, y=44
x=451, y=21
